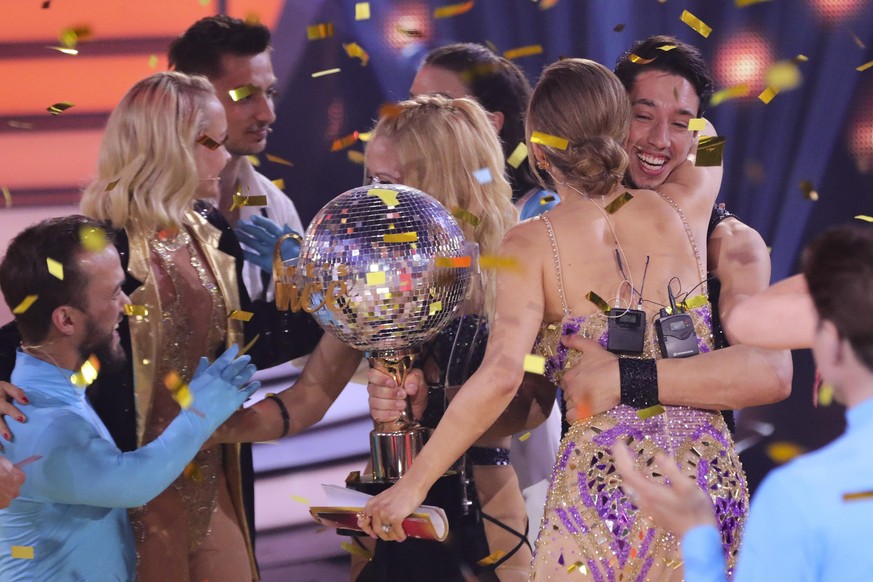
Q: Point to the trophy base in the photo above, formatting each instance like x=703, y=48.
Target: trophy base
x=449, y=493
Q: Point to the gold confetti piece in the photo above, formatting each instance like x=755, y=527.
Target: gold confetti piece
x=741, y=90
x=111, y=185
x=858, y=41
x=153, y=62
x=825, y=395
x=782, y=452
x=435, y=307
x=402, y=237
x=240, y=200
x=524, y=437
x=136, y=310
x=58, y=108
x=355, y=156
x=453, y=10
x=364, y=136
x=253, y=160
x=208, y=142
x=466, y=216
x=25, y=304
x=355, y=51
x=784, y=76
x=613, y=206
x=534, y=364
x=546, y=200
x=498, y=262
x=325, y=72
x=410, y=32
x=376, y=278
x=55, y=268
x=70, y=36
x=192, y=471
x=518, y=155
x=362, y=11
x=549, y=140
x=801, y=58
x=649, y=412
x=618, y=28
x=696, y=124
x=344, y=142
x=858, y=496
x=241, y=315
x=240, y=93
x=808, y=190
x=300, y=499
x=710, y=151
x=452, y=262
x=7, y=196
x=319, y=31
x=865, y=66
x=22, y=552
x=864, y=217
x=695, y=23
x=357, y=550
x=179, y=390
x=248, y=346
x=87, y=373
x=92, y=239
x=767, y=95
x=598, y=301
x=744, y=3
x=387, y=196
x=278, y=160
x=546, y=4
x=279, y=183
x=491, y=558
x=583, y=569
x=666, y=47
x=639, y=60
x=524, y=51
x=19, y=124
x=696, y=301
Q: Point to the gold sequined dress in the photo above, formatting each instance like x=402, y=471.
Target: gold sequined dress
x=590, y=530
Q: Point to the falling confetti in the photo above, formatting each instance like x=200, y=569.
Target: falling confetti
x=784, y=76
x=319, y=31
x=598, y=301
x=524, y=51
x=278, y=160
x=355, y=51
x=389, y=197
x=453, y=10
x=240, y=200
x=695, y=23
x=466, y=216
x=59, y=108
x=858, y=496
x=403, y=237
x=767, y=94
x=865, y=66
x=696, y=124
x=864, y=217
x=138, y=311
x=208, y=142
x=613, y=206
x=636, y=59
x=483, y=176
x=497, y=262
x=248, y=346
x=518, y=155
x=710, y=151
x=279, y=183
x=7, y=196
x=87, y=373
x=549, y=140
x=55, y=268
x=733, y=92
x=362, y=11
x=491, y=558
x=435, y=307
x=25, y=304
x=649, y=412
x=452, y=262
x=808, y=190
x=240, y=315
x=355, y=156
x=376, y=278
x=534, y=364
x=325, y=72
x=524, y=437
x=344, y=142
x=240, y=93
x=782, y=452
x=22, y=552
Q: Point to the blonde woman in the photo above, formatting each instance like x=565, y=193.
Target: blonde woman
x=448, y=148
x=162, y=150
x=577, y=124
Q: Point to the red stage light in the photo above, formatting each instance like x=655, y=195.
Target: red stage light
x=407, y=24
x=860, y=133
x=831, y=11
x=744, y=58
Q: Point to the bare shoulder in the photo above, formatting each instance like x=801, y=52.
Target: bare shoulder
x=732, y=233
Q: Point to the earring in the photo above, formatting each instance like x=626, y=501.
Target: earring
x=544, y=165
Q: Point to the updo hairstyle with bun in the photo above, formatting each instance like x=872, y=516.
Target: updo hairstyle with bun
x=583, y=102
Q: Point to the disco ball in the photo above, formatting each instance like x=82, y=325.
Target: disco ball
x=385, y=266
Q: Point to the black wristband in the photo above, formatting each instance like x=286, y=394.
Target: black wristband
x=639, y=382
x=286, y=420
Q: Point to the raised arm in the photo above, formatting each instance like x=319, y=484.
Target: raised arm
x=485, y=395
x=82, y=468
x=326, y=373
x=782, y=317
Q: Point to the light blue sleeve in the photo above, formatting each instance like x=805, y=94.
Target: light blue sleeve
x=779, y=540
x=703, y=555
x=538, y=203
x=79, y=467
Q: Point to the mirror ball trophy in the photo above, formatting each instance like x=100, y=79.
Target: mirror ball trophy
x=383, y=268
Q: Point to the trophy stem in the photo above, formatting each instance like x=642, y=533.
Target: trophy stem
x=393, y=445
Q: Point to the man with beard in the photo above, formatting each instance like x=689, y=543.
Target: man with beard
x=70, y=522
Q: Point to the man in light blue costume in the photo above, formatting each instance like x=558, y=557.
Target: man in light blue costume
x=70, y=520
x=810, y=520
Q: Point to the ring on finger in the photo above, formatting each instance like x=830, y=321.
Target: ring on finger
x=386, y=527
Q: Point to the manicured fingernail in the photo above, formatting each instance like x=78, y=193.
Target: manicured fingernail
x=25, y=400
x=6, y=435
x=20, y=419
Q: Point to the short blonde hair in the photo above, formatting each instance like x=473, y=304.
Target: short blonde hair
x=585, y=103
x=146, y=172
x=441, y=144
